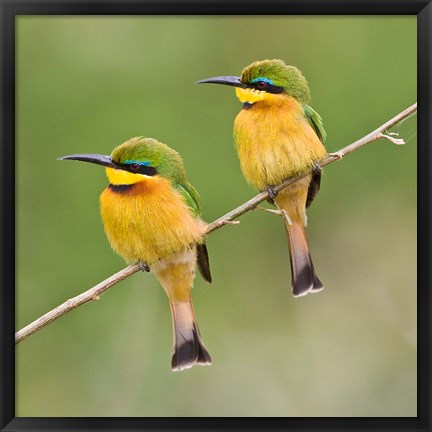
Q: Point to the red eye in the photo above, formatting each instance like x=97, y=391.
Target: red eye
x=134, y=167
x=261, y=84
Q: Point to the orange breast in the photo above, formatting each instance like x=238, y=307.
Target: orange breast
x=149, y=221
x=275, y=141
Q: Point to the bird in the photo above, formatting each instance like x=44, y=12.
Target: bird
x=278, y=135
x=152, y=217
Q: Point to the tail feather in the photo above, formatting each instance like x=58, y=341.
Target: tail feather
x=304, y=278
x=188, y=347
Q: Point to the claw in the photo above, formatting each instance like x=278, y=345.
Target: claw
x=272, y=193
x=317, y=169
x=144, y=266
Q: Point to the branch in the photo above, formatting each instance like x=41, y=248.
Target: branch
x=373, y=136
x=89, y=295
x=229, y=218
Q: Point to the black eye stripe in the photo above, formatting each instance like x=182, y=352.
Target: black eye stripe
x=269, y=88
x=142, y=169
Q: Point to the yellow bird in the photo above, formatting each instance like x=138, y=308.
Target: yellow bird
x=151, y=216
x=278, y=135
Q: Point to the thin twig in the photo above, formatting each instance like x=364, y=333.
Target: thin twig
x=229, y=218
x=87, y=296
x=373, y=136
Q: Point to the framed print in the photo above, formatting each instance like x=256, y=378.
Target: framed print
x=98, y=261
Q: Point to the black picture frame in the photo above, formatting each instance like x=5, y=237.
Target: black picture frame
x=12, y=8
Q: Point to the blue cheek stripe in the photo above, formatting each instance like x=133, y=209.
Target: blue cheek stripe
x=268, y=81
x=130, y=162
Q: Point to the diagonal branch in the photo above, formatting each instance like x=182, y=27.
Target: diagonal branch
x=229, y=218
x=373, y=136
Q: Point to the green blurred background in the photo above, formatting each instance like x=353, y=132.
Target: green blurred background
x=85, y=85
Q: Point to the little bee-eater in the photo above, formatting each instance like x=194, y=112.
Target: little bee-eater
x=151, y=216
x=278, y=136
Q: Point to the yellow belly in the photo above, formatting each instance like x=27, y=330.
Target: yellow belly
x=275, y=141
x=176, y=274
x=149, y=222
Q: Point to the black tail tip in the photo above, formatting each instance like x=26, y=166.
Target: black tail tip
x=188, y=354
x=306, y=283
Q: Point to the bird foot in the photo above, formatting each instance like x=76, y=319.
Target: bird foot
x=317, y=169
x=144, y=266
x=282, y=212
x=272, y=193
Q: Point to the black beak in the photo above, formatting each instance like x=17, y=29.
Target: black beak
x=93, y=158
x=227, y=80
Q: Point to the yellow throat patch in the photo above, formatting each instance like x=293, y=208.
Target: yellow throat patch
x=249, y=95
x=121, y=177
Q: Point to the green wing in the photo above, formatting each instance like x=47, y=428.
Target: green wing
x=192, y=199
x=316, y=122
